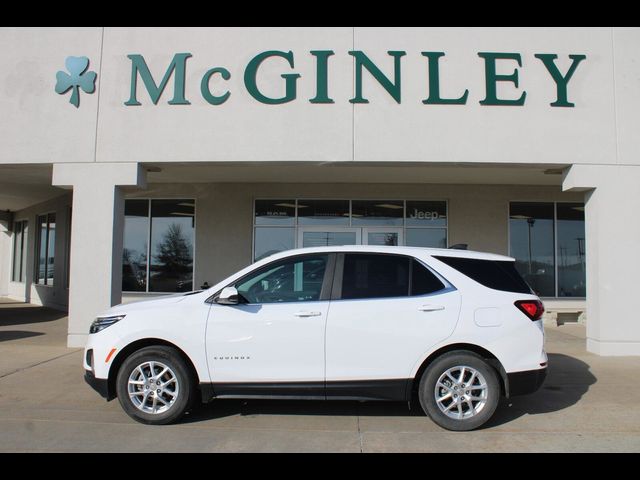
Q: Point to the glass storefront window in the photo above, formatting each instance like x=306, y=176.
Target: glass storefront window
x=323, y=212
x=46, y=249
x=426, y=214
x=171, y=249
x=158, y=245
x=275, y=212
x=571, y=251
x=547, y=241
x=426, y=237
x=19, y=254
x=270, y=240
x=532, y=245
x=327, y=239
x=320, y=222
x=377, y=212
x=134, y=252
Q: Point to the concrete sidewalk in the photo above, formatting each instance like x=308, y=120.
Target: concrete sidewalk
x=588, y=403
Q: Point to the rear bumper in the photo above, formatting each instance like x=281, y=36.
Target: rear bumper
x=524, y=383
x=100, y=385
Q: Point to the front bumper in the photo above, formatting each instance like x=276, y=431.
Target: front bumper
x=100, y=385
x=524, y=383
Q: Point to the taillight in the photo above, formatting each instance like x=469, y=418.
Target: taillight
x=531, y=308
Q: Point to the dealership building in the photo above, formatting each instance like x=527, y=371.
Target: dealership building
x=137, y=162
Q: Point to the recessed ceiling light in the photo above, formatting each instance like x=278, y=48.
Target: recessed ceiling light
x=288, y=205
x=390, y=205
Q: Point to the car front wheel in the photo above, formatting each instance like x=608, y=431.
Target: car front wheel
x=459, y=391
x=154, y=385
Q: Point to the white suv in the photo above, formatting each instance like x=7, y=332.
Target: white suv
x=456, y=328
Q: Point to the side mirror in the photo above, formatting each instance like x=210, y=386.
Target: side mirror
x=228, y=296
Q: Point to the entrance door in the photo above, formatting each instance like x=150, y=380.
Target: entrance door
x=332, y=236
x=328, y=236
x=382, y=236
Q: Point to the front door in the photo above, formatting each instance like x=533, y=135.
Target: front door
x=276, y=333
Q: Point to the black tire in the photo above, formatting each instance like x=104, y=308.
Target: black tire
x=171, y=358
x=438, y=367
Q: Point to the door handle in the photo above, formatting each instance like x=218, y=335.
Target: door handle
x=430, y=308
x=308, y=314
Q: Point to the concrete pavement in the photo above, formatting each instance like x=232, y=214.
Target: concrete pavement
x=588, y=403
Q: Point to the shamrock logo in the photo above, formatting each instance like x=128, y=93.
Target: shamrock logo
x=76, y=78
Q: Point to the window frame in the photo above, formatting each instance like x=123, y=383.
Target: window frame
x=336, y=291
x=555, y=240
x=195, y=236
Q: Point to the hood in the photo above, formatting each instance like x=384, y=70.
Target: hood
x=145, y=304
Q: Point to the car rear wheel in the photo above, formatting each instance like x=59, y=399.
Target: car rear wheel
x=154, y=385
x=459, y=391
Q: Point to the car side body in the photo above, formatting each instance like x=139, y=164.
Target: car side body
x=330, y=347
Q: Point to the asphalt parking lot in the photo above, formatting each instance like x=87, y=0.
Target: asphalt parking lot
x=587, y=404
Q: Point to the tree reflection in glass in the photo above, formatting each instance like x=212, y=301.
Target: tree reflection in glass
x=172, y=234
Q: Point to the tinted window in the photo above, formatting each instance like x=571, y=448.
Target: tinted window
x=275, y=212
x=323, y=212
x=532, y=244
x=499, y=275
x=423, y=281
x=171, y=246
x=270, y=240
x=375, y=276
x=377, y=212
x=572, y=263
x=296, y=279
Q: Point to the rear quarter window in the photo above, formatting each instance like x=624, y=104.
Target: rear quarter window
x=495, y=274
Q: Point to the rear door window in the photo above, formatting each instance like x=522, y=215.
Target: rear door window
x=375, y=276
x=423, y=281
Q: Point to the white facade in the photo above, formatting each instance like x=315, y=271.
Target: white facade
x=478, y=158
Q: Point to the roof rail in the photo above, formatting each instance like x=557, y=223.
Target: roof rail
x=459, y=246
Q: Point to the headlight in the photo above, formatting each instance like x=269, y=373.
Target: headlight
x=103, y=322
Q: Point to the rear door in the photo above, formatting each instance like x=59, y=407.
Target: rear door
x=386, y=311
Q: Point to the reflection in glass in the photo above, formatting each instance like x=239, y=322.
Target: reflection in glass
x=377, y=212
x=323, y=212
x=571, y=250
x=531, y=242
x=426, y=213
x=172, y=235
x=290, y=280
x=134, y=252
x=426, y=237
x=23, y=272
x=328, y=239
x=51, y=248
x=275, y=212
x=382, y=238
x=46, y=248
x=42, y=249
x=19, y=257
x=272, y=240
